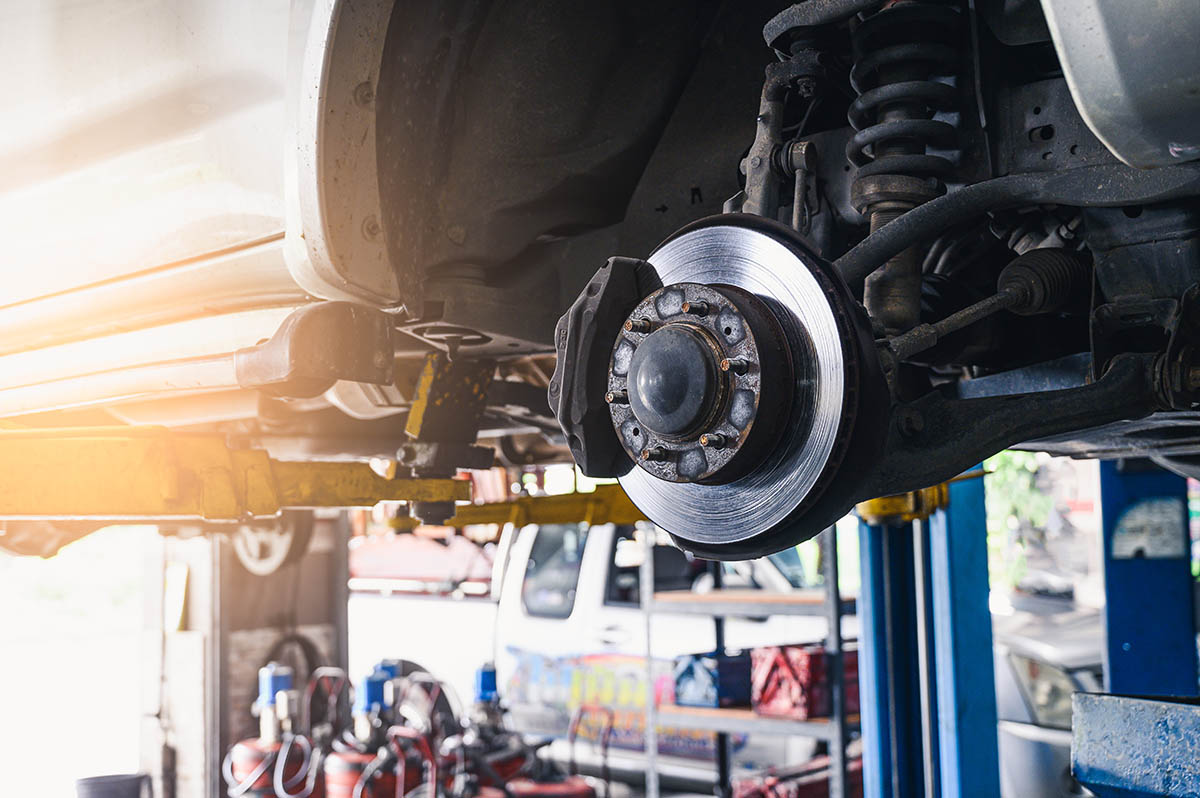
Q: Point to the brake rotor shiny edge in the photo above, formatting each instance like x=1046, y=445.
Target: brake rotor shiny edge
x=746, y=507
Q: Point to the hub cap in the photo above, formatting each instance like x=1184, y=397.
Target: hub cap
x=673, y=380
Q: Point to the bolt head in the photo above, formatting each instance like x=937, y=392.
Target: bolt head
x=1193, y=378
x=364, y=93
x=911, y=422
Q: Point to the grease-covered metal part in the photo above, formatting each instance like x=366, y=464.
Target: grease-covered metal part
x=583, y=341
x=1040, y=281
x=694, y=369
x=1103, y=186
x=900, y=52
x=843, y=438
x=769, y=506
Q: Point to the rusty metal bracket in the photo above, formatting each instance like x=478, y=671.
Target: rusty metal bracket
x=152, y=473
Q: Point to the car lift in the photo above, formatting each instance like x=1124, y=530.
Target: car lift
x=1141, y=738
x=926, y=664
x=925, y=668
x=607, y=504
x=926, y=673
x=211, y=622
x=152, y=473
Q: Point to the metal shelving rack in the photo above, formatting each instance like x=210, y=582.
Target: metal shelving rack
x=720, y=604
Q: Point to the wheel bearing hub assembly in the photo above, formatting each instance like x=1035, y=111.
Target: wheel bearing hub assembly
x=686, y=382
x=723, y=381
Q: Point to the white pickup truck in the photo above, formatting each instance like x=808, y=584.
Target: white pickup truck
x=563, y=624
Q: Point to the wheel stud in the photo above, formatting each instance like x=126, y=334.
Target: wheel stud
x=655, y=454
x=714, y=440
x=638, y=325
x=617, y=397
x=735, y=364
x=696, y=308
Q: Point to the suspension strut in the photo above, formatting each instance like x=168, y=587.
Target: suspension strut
x=898, y=54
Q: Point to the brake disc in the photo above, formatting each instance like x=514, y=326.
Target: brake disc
x=741, y=387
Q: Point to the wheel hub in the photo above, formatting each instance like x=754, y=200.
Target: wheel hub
x=724, y=460
x=744, y=396
x=692, y=371
x=673, y=383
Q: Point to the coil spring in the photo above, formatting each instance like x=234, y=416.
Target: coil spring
x=897, y=53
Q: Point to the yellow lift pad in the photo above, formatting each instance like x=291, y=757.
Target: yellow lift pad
x=915, y=505
x=151, y=472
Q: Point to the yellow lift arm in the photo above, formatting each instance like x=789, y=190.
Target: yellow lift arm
x=915, y=505
x=608, y=504
x=150, y=472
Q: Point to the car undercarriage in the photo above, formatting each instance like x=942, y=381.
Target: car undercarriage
x=802, y=258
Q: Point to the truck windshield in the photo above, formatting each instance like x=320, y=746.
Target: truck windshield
x=552, y=572
x=791, y=566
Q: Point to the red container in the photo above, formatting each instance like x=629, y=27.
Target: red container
x=252, y=756
x=792, y=681
x=506, y=766
x=569, y=787
x=344, y=768
x=810, y=780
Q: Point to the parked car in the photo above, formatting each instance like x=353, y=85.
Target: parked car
x=563, y=624
x=1042, y=657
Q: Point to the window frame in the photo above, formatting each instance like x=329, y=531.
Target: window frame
x=610, y=575
x=573, y=590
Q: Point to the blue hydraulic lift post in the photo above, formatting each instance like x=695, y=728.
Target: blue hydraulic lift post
x=1149, y=609
x=927, y=675
x=968, y=760
x=888, y=664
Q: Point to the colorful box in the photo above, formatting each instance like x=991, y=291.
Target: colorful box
x=713, y=680
x=792, y=681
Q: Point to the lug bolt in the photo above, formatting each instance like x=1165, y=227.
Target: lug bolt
x=638, y=325
x=696, y=308
x=735, y=364
x=617, y=397
x=714, y=440
x=655, y=454
x=910, y=421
